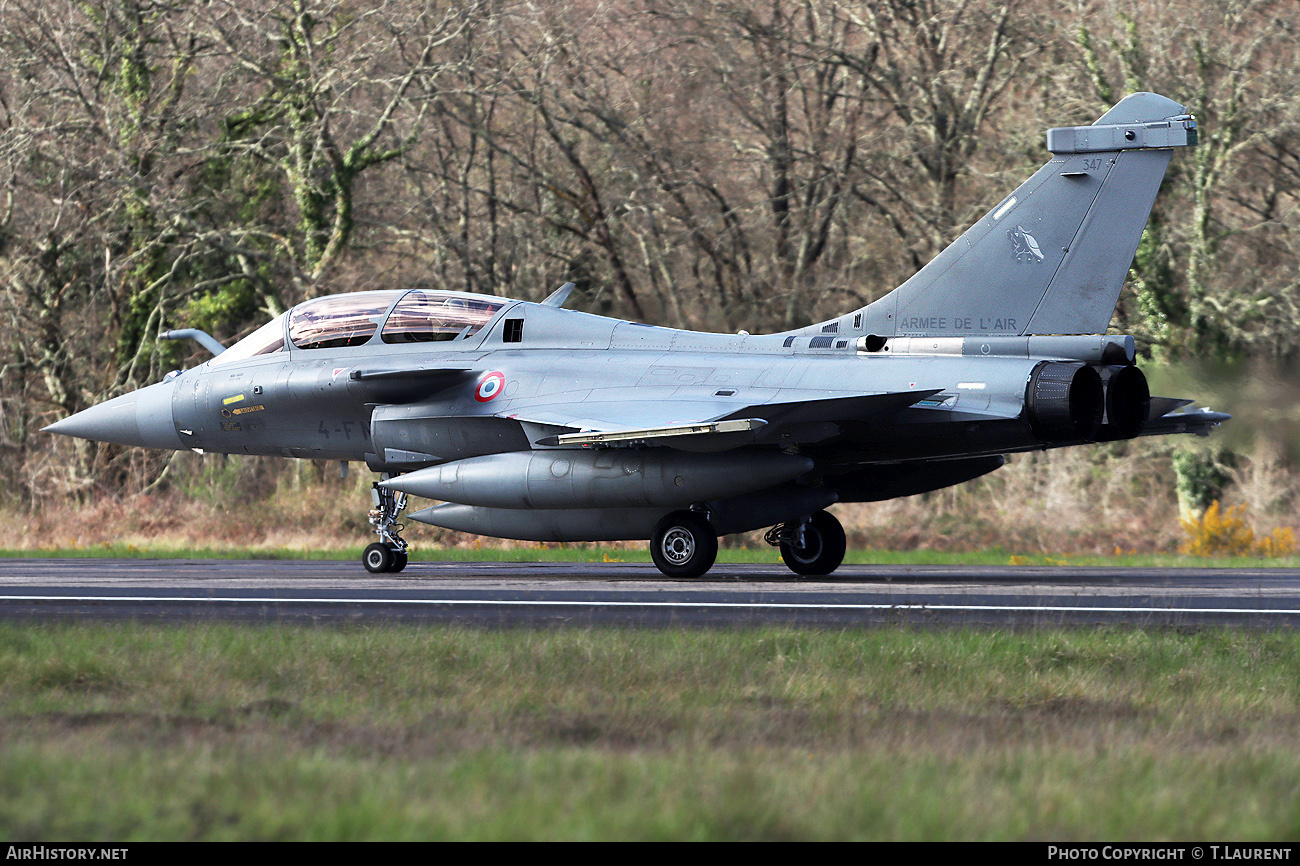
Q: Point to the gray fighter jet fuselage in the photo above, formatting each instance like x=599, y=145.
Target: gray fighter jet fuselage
x=533, y=422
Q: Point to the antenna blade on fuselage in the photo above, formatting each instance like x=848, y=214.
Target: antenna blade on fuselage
x=559, y=296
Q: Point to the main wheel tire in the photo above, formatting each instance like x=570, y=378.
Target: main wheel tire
x=378, y=558
x=684, y=545
x=823, y=550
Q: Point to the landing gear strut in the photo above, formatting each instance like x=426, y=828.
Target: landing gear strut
x=388, y=555
x=814, y=545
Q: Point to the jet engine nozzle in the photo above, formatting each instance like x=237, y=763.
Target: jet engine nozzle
x=1065, y=402
x=1128, y=402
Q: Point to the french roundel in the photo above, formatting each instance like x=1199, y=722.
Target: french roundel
x=492, y=385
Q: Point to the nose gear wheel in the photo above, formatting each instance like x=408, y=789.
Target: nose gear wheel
x=389, y=554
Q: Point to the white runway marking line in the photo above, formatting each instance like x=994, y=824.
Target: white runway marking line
x=743, y=605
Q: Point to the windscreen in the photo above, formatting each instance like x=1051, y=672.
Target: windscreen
x=265, y=340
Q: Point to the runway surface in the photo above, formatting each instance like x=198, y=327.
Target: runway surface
x=510, y=594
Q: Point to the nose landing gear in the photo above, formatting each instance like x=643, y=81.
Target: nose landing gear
x=388, y=555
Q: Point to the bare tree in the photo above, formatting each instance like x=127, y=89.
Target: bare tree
x=1234, y=200
x=333, y=99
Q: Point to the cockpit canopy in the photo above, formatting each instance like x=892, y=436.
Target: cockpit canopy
x=420, y=316
x=335, y=321
x=427, y=317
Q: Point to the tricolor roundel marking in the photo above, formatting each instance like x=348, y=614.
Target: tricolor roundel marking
x=491, y=385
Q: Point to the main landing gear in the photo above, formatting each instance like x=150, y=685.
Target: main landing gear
x=388, y=555
x=814, y=545
x=685, y=544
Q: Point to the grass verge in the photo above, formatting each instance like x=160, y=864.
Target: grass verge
x=209, y=731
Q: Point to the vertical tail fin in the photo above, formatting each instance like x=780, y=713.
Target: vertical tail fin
x=1051, y=258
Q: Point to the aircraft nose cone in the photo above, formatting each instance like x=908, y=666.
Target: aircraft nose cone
x=142, y=418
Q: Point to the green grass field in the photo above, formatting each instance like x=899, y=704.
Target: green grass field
x=140, y=731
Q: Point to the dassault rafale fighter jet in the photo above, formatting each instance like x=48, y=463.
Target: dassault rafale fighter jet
x=529, y=421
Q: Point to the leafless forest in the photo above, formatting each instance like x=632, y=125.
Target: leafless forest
x=713, y=164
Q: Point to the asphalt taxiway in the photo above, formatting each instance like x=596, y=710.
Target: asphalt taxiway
x=633, y=594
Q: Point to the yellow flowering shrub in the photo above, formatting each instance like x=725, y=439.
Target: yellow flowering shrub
x=1224, y=532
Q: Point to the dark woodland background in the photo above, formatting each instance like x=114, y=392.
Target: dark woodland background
x=693, y=163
